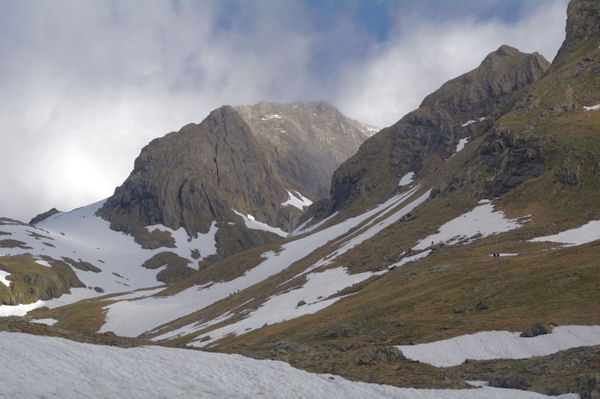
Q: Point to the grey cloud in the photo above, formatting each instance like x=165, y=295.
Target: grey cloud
x=87, y=83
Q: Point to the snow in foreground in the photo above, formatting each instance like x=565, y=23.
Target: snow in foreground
x=489, y=345
x=578, y=236
x=52, y=367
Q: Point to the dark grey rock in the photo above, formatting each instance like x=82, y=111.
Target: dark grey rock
x=535, y=330
x=461, y=309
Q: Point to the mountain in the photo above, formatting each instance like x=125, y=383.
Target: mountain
x=306, y=141
x=453, y=248
x=267, y=161
x=423, y=139
x=195, y=196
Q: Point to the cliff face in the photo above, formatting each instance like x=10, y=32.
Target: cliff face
x=197, y=175
x=306, y=141
x=582, y=31
x=462, y=107
x=244, y=159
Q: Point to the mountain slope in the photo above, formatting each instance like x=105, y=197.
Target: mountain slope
x=421, y=140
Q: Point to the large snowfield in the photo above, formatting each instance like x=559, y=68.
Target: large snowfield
x=49, y=367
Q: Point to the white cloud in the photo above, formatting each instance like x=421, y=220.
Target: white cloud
x=85, y=84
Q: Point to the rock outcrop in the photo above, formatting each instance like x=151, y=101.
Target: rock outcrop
x=306, y=141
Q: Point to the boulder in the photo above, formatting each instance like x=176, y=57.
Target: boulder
x=536, y=329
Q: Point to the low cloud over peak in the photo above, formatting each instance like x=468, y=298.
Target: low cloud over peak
x=86, y=84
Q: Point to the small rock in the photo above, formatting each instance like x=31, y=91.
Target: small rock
x=535, y=330
x=205, y=338
x=461, y=309
x=301, y=302
x=481, y=306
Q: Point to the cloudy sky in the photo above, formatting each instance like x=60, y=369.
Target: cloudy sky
x=87, y=83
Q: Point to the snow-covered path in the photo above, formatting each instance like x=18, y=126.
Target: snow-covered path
x=49, y=367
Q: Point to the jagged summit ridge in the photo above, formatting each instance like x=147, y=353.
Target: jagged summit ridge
x=583, y=29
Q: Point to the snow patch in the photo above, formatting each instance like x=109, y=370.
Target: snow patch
x=471, y=121
x=461, y=144
x=480, y=222
x=81, y=235
x=131, y=318
x=3, y=279
x=369, y=130
x=489, y=345
x=284, y=306
x=578, y=236
x=297, y=200
x=592, y=108
x=269, y=117
x=158, y=372
x=412, y=258
x=407, y=179
x=48, y=322
x=184, y=244
x=254, y=224
x=42, y=262
x=302, y=229
x=19, y=310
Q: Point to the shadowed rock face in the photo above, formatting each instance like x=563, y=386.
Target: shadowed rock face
x=243, y=158
x=196, y=175
x=583, y=28
x=436, y=126
x=306, y=141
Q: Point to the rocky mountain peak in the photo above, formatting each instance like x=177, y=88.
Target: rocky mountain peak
x=238, y=161
x=307, y=141
x=583, y=20
x=444, y=117
x=583, y=29
x=479, y=91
